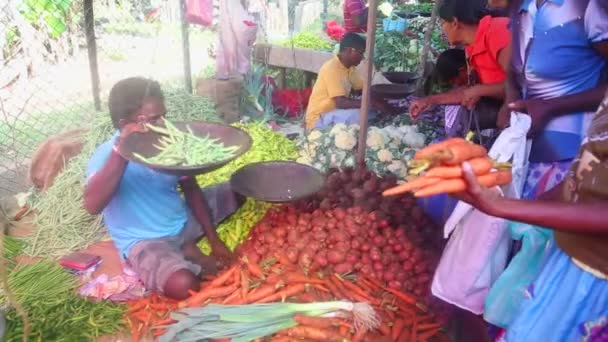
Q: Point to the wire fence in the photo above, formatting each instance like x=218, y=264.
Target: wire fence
x=59, y=59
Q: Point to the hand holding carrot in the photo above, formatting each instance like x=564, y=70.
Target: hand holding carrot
x=484, y=199
x=439, y=169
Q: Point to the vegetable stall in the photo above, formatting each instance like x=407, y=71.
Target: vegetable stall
x=344, y=264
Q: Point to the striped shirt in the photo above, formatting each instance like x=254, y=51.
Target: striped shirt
x=353, y=8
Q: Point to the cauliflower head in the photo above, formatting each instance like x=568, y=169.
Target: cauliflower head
x=337, y=128
x=314, y=135
x=375, y=139
x=398, y=168
x=385, y=155
x=345, y=141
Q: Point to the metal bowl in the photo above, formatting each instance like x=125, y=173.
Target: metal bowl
x=143, y=144
x=277, y=181
x=399, y=77
x=392, y=91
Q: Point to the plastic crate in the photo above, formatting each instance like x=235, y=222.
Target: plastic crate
x=398, y=25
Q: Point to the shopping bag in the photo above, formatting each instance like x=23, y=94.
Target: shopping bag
x=479, y=244
x=199, y=12
x=509, y=290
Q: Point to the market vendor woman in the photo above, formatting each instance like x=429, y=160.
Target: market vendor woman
x=153, y=228
x=331, y=100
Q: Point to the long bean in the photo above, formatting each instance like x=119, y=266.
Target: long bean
x=184, y=148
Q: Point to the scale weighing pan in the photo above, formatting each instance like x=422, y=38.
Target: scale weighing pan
x=277, y=181
x=143, y=144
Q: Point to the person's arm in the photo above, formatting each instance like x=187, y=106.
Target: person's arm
x=360, y=18
x=102, y=185
x=542, y=111
x=562, y=216
x=343, y=102
x=103, y=182
x=197, y=203
x=495, y=90
x=557, y=215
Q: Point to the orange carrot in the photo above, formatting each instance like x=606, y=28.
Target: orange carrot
x=237, y=277
x=232, y=298
x=429, y=326
x=281, y=258
x=254, y=269
x=223, y=278
x=206, y=294
x=137, y=306
x=417, y=183
x=398, y=327
x=457, y=185
x=334, y=290
x=384, y=329
x=296, y=277
x=354, y=288
x=288, y=291
x=400, y=295
x=317, y=322
x=405, y=336
x=328, y=335
x=274, y=278
x=261, y=292
x=244, y=284
x=344, y=331
x=359, y=335
x=481, y=166
x=321, y=288
x=428, y=151
x=462, y=152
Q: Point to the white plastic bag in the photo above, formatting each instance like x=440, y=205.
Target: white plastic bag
x=477, y=251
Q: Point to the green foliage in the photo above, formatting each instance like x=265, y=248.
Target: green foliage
x=309, y=40
x=396, y=52
x=423, y=7
x=54, y=13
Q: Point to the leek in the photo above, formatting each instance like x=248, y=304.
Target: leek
x=249, y=322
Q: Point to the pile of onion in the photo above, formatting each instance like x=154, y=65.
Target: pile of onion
x=361, y=188
x=345, y=241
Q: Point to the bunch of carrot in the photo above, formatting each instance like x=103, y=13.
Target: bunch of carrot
x=147, y=312
x=438, y=169
x=403, y=316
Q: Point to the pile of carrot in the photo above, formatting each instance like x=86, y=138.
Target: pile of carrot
x=147, y=312
x=404, y=317
x=438, y=168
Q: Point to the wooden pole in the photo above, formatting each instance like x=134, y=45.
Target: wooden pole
x=369, y=68
x=186, y=48
x=89, y=26
x=428, y=35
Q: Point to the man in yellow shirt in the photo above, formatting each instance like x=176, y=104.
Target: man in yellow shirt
x=330, y=101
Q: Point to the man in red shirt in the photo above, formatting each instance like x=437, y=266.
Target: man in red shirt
x=355, y=16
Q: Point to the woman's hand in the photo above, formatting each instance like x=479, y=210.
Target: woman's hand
x=223, y=255
x=470, y=97
x=418, y=107
x=127, y=130
x=538, y=111
x=484, y=199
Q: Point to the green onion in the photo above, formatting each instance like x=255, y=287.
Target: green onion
x=249, y=322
